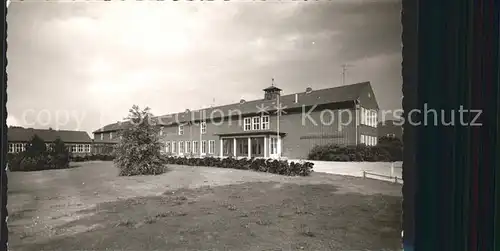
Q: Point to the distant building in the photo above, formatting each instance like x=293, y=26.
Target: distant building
x=78, y=142
x=390, y=129
x=252, y=128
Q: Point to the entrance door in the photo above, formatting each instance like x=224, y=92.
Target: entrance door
x=227, y=147
x=273, y=147
x=257, y=147
x=242, y=147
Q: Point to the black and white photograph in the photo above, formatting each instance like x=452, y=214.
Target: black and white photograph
x=205, y=125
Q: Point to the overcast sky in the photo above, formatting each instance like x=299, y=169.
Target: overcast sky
x=93, y=61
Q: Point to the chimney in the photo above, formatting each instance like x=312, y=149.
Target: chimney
x=296, y=98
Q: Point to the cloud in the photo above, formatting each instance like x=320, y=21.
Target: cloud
x=12, y=121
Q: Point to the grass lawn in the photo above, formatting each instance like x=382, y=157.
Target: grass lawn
x=200, y=208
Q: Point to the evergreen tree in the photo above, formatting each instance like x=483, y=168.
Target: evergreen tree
x=59, y=155
x=36, y=147
x=35, y=157
x=139, y=150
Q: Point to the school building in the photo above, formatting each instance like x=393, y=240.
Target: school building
x=344, y=115
x=79, y=143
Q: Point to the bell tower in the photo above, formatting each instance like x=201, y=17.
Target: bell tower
x=271, y=92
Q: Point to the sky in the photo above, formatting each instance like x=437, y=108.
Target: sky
x=82, y=65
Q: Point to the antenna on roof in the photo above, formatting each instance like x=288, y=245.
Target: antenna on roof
x=344, y=69
x=272, y=81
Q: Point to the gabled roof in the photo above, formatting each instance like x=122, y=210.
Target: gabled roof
x=20, y=134
x=316, y=97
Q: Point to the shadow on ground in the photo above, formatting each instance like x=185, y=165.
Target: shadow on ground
x=249, y=216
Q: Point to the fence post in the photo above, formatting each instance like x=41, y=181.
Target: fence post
x=364, y=174
x=396, y=179
x=392, y=169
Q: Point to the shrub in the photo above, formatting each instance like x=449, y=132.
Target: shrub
x=139, y=151
x=332, y=152
x=58, y=155
x=393, y=146
x=34, y=163
x=281, y=167
x=37, y=157
x=14, y=161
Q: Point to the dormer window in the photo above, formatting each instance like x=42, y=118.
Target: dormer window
x=161, y=131
x=102, y=136
x=111, y=135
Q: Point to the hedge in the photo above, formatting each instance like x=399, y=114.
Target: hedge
x=332, y=152
x=23, y=163
x=281, y=167
x=104, y=157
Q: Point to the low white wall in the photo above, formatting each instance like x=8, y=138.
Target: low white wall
x=356, y=168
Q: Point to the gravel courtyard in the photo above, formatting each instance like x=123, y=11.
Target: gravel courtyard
x=200, y=208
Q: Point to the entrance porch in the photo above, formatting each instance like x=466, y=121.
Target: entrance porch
x=262, y=145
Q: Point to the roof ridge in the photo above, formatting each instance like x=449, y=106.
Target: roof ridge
x=246, y=103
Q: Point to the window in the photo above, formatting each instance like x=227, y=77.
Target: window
x=167, y=147
x=247, y=124
x=80, y=148
x=273, y=147
x=174, y=147
x=102, y=136
x=196, y=146
x=111, y=135
x=391, y=135
x=181, y=130
x=368, y=140
x=204, y=147
x=265, y=122
x=181, y=146
x=188, y=147
x=256, y=123
x=74, y=148
x=369, y=117
x=17, y=147
x=211, y=146
x=203, y=127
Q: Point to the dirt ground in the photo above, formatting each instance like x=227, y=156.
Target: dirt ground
x=199, y=208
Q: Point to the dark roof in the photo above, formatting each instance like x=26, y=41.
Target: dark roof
x=270, y=88
x=19, y=134
x=316, y=97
